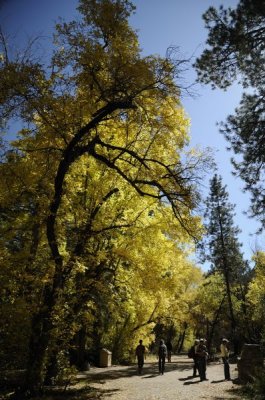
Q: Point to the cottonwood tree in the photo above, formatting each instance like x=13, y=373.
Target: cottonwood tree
x=208, y=312
x=98, y=103
x=256, y=297
x=235, y=51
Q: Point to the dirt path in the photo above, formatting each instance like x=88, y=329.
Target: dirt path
x=123, y=383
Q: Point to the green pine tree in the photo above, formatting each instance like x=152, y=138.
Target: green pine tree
x=222, y=249
x=235, y=52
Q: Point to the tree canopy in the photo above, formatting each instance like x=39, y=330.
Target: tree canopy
x=98, y=191
x=235, y=51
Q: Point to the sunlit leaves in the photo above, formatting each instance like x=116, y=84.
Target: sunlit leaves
x=98, y=198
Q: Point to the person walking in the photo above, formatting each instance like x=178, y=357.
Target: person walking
x=162, y=353
x=140, y=354
x=225, y=357
x=202, y=354
x=169, y=350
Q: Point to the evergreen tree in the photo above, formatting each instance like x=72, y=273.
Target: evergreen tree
x=221, y=248
x=235, y=50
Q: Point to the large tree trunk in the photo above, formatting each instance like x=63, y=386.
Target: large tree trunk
x=81, y=356
x=38, y=346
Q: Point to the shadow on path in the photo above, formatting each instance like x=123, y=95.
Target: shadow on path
x=147, y=383
x=188, y=378
x=150, y=370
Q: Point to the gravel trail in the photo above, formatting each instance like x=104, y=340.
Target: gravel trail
x=123, y=383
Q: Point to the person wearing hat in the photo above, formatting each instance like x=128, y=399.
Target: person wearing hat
x=225, y=357
x=202, y=354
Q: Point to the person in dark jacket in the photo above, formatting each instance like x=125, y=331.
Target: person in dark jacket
x=140, y=354
x=202, y=354
x=162, y=353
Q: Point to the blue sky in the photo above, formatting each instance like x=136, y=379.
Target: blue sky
x=160, y=24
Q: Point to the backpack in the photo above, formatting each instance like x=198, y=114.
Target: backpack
x=191, y=352
x=162, y=351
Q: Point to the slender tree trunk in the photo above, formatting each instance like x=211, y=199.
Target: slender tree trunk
x=178, y=343
x=182, y=338
x=214, y=324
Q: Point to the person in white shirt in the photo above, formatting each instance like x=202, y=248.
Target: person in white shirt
x=225, y=357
